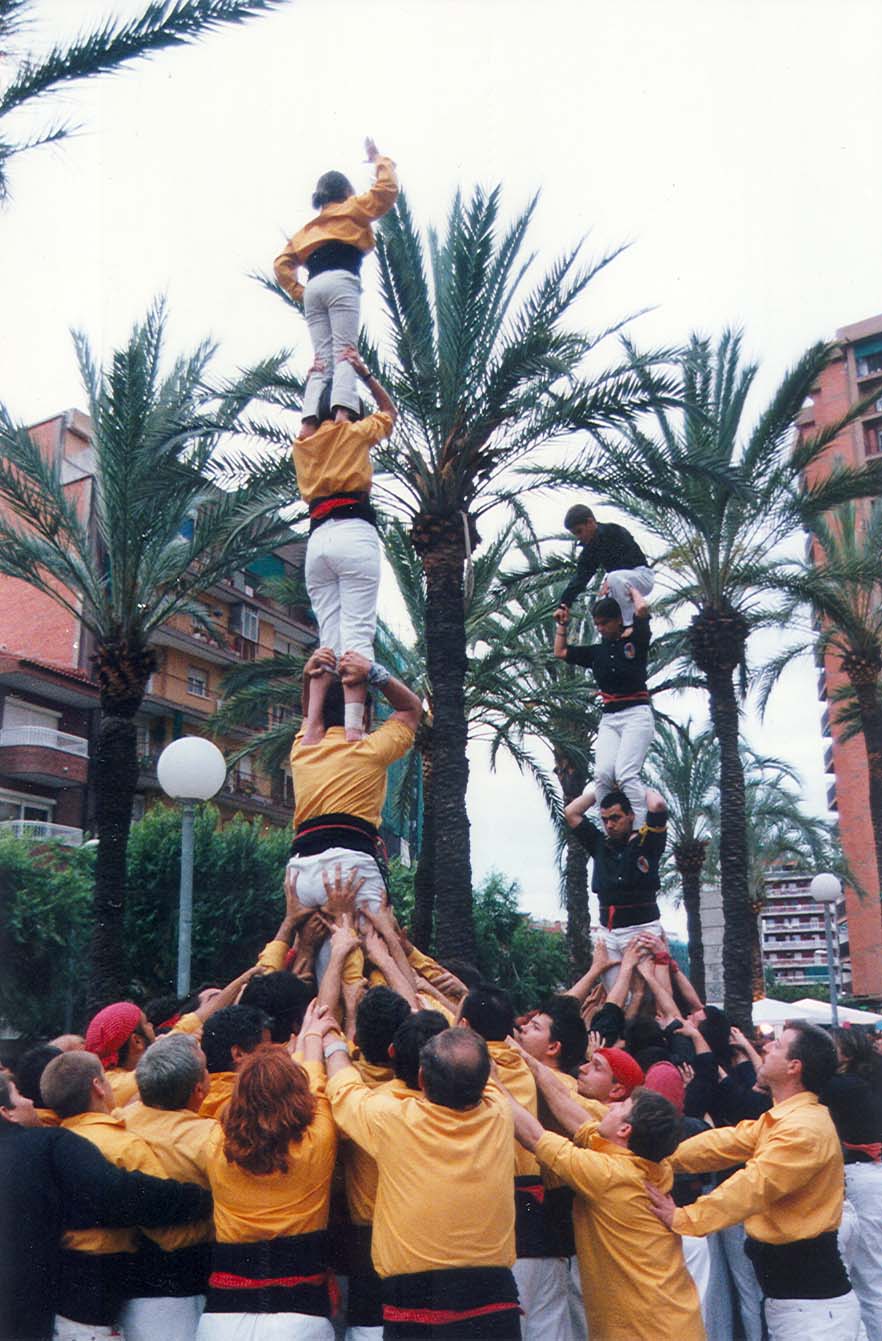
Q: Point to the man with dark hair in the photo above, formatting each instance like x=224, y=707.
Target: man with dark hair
x=380, y=1012
x=618, y=661
x=556, y=1035
x=443, y=1238
x=636, y=1278
x=54, y=1180
x=625, y=868
x=283, y=998
x=410, y=1038
x=229, y=1035
x=611, y=547
x=542, y=1268
x=789, y=1194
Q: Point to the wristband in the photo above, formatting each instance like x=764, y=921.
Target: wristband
x=378, y=676
x=338, y=1046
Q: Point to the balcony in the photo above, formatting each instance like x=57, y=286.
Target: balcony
x=43, y=755
x=41, y=831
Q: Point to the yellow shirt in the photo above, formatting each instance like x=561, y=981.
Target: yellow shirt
x=121, y=1147
x=123, y=1084
x=340, y=221
x=792, y=1184
x=336, y=458
x=445, y=1195
x=342, y=776
x=219, y=1094
x=249, y=1207
x=516, y=1076
x=179, y=1140
x=637, y=1285
x=360, y=1168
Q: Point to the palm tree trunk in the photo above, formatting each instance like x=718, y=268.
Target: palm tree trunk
x=116, y=778
x=871, y=725
x=738, y=934
x=572, y=783
x=423, y=886
x=690, y=878
x=446, y=661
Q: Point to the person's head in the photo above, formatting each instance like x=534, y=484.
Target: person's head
x=715, y=1029
x=68, y=1043
x=607, y=616
x=645, y=1040
x=380, y=1014
x=164, y=1011
x=230, y=1034
x=645, y=1123
x=76, y=1083
x=803, y=1058
x=119, y=1034
x=664, y=1078
x=610, y=1076
x=556, y=1034
x=172, y=1073
x=271, y=1106
x=30, y=1067
x=14, y=1107
x=581, y=523
x=856, y=1054
x=467, y=972
x=489, y=1011
x=454, y=1068
x=330, y=189
x=334, y=706
x=410, y=1038
x=283, y=997
x=616, y=816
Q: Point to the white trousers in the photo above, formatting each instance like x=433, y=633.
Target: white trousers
x=543, y=1288
x=332, y=306
x=750, y=1299
x=264, y=1327
x=623, y=741
x=165, y=1319
x=616, y=943
x=814, y=1319
x=364, y=1333
x=311, y=886
x=863, y=1184
x=343, y=579
x=621, y=579
x=67, y=1330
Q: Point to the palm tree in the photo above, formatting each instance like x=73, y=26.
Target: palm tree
x=102, y=51
x=841, y=585
x=720, y=499
x=158, y=532
x=685, y=768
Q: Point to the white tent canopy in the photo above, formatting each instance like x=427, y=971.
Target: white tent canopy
x=819, y=1011
x=769, y=1011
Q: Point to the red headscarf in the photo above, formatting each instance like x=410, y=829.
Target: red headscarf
x=111, y=1030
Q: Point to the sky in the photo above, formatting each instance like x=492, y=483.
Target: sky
x=733, y=144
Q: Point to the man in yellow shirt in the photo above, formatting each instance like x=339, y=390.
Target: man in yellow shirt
x=98, y=1266
x=229, y=1037
x=173, y=1265
x=637, y=1285
x=443, y=1240
x=789, y=1194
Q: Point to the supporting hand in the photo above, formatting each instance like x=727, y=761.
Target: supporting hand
x=661, y=1205
x=371, y=151
x=354, y=668
x=321, y=660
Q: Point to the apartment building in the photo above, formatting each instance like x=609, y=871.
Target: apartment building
x=794, y=942
x=854, y=374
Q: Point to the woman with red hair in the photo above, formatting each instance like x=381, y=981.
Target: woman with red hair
x=269, y=1166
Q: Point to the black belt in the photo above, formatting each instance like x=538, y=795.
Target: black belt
x=803, y=1269
x=334, y=255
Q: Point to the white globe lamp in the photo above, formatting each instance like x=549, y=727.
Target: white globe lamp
x=825, y=889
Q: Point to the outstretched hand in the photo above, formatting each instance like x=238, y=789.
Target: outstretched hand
x=661, y=1205
x=371, y=152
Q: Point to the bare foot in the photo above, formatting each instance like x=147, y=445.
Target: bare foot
x=313, y=734
x=353, y=733
x=307, y=428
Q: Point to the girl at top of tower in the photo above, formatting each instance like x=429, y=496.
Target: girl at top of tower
x=331, y=248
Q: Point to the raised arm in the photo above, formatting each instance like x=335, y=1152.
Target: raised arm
x=561, y=624
x=385, y=403
x=599, y=964
x=355, y=669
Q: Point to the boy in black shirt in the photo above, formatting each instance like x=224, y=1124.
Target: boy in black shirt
x=618, y=662
x=612, y=548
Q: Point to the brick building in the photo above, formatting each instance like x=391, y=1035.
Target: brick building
x=853, y=374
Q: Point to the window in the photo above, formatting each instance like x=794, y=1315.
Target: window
x=15, y=806
x=869, y=364
x=18, y=713
x=873, y=441
x=249, y=624
x=197, y=682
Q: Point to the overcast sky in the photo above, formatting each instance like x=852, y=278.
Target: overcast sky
x=734, y=143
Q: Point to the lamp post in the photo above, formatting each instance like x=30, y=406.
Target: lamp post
x=825, y=889
x=189, y=770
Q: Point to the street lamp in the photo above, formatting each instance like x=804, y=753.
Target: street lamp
x=826, y=889
x=189, y=770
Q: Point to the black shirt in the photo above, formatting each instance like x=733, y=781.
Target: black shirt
x=618, y=665
x=625, y=876
x=612, y=548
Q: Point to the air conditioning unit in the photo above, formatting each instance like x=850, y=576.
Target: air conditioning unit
x=245, y=621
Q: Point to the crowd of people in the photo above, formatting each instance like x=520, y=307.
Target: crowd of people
x=352, y=1139
x=367, y=1143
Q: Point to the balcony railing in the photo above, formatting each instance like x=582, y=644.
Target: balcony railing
x=45, y=737
x=41, y=831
